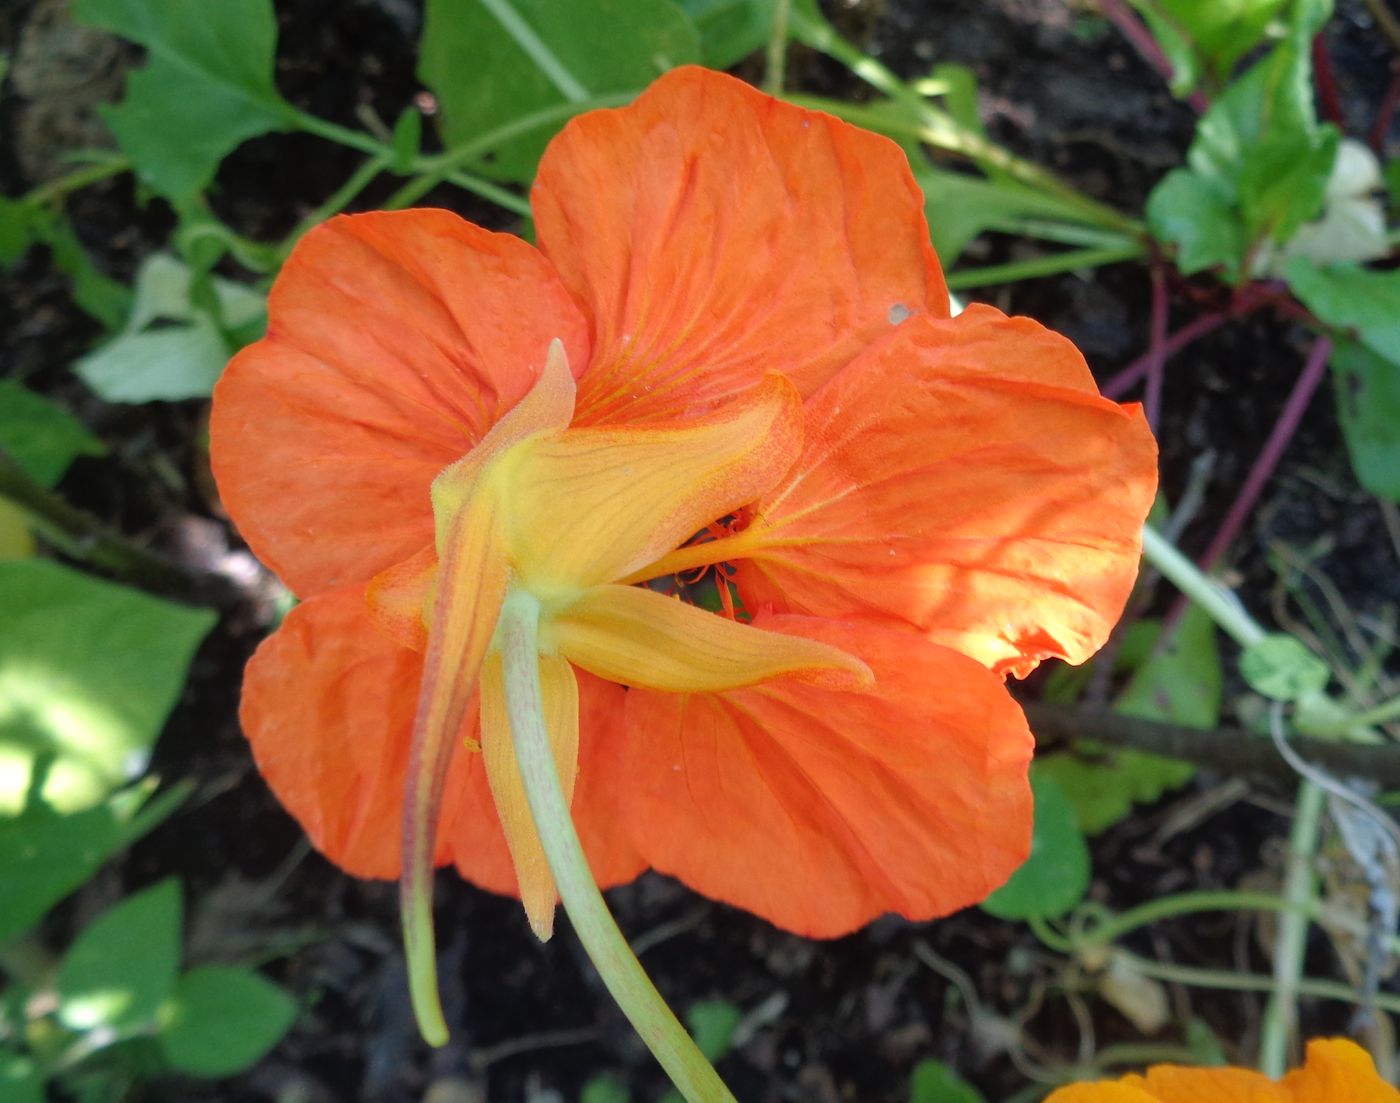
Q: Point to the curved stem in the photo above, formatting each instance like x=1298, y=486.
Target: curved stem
x=518, y=637
x=1186, y=903
x=1300, y=890
x=1219, y=603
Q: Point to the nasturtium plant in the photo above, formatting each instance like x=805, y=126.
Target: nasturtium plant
x=171, y=348
x=122, y=966
x=206, y=86
x=1056, y=875
x=39, y=436
x=1258, y=167
x=46, y=854
x=498, y=62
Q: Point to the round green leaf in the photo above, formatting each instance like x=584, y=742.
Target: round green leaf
x=122, y=967
x=1281, y=667
x=221, y=1019
x=1056, y=875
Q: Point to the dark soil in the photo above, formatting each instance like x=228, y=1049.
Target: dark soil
x=825, y=1022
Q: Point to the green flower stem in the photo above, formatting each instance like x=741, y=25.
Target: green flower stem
x=518, y=635
x=1300, y=891
x=775, y=73
x=1383, y=713
x=1049, y=265
x=1219, y=603
x=76, y=180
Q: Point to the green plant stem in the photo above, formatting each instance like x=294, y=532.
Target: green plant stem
x=518, y=635
x=338, y=200
x=76, y=180
x=1383, y=713
x=537, y=50
x=1226, y=981
x=775, y=72
x=1300, y=891
x=1044, y=266
x=938, y=128
x=1218, y=603
x=1186, y=903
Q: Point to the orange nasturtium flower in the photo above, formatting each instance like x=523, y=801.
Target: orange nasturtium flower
x=732, y=350
x=1336, y=1071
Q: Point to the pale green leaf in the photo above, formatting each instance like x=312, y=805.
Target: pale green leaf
x=1280, y=667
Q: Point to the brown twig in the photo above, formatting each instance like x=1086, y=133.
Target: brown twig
x=81, y=536
x=1229, y=750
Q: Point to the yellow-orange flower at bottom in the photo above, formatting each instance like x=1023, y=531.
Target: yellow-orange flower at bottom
x=1336, y=1071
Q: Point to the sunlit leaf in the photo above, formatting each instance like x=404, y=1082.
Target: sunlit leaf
x=221, y=1019
x=88, y=673
x=1280, y=667
x=122, y=966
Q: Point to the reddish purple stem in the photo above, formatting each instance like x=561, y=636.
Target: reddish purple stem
x=1173, y=343
x=1385, y=114
x=1326, y=81
x=1279, y=438
x=1135, y=31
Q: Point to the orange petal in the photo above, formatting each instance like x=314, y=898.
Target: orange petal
x=398, y=599
x=819, y=809
x=640, y=638
x=963, y=476
x=1336, y=1071
x=591, y=505
x=328, y=707
x=561, y=715
x=395, y=340
x=716, y=234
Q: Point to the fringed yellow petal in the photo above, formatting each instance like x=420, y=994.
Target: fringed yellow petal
x=593, y=504
x=642, y=638
x=559, y=688
x=471, y=587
